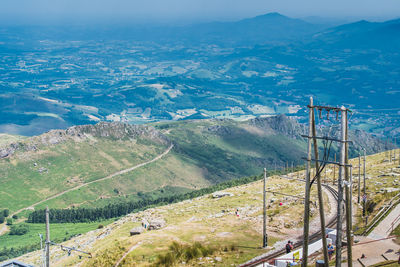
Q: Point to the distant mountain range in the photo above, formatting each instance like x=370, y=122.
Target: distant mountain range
x=361, y=34
x=268, y=28
x=56, y=77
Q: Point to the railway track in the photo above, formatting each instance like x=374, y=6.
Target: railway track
x=313, y=237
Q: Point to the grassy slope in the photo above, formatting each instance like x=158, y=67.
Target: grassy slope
x=234, y=150
x=66, y=165
x=201, y=157
x=381, y=174
x=170, y=173
x=196, y=220
x=59, y=233
x=207, y=220
x=7, y=138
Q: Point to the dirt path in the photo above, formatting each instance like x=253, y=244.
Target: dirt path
x=4, y=226
x=384, y=228
x=126, y=254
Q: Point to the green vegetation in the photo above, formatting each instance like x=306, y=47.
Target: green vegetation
x=206, y=220
x=6, y=212
x=185, y=253
x=205, y=153
x=24, y=238
x=123, y=208
x=230, y=149
x=396, y=232
x=19, y=229
x=53, y=169
x=378, y=196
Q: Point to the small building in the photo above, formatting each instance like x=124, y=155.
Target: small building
x=136, y=231
x=15, y=263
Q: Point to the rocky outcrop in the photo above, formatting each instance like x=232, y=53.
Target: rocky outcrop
x=113, y=130
x=220, y=194
x=280, y=124
x=136, y=231
x=373, y=144
x=288, y=126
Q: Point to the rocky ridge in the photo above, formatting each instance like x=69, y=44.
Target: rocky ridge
x=111, y=130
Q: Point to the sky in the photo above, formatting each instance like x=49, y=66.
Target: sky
x=191, y=10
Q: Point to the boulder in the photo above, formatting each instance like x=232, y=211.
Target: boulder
x=156, y=224
x=222, y=194
x=136, y=231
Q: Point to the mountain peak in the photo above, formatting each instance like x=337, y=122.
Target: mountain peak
x=272, y=15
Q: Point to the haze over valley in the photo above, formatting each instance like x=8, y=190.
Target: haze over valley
x=55, y=77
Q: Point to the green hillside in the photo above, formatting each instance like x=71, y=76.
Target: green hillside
x=204, y=153
x=212, y=224
x=94, y=165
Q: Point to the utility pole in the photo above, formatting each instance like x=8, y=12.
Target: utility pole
x=364, y=191
x=42, y=258
x=320, y=197
x=307, y=192
x=351, y=207
x=359, y=178
x=334, y=171
x=348, y=200
x=47, y=238
x=340, y=188
x=265, y=237
x=386, y=148
x=344, y=178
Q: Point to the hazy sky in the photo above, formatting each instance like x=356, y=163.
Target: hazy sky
x=175, y=10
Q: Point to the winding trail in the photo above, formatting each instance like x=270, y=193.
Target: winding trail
x=4, y=226
x=126, y=254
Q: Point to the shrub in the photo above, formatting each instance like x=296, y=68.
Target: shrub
x=15, y=216
x=168, y=259
x=6, y=212
x=19, y=229
x=100, y=226
x=9, y=221
x=179, y=252
x=370, y=205
x=2, y=218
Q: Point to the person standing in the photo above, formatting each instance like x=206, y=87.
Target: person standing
x=289, y=247
x=331, y=250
